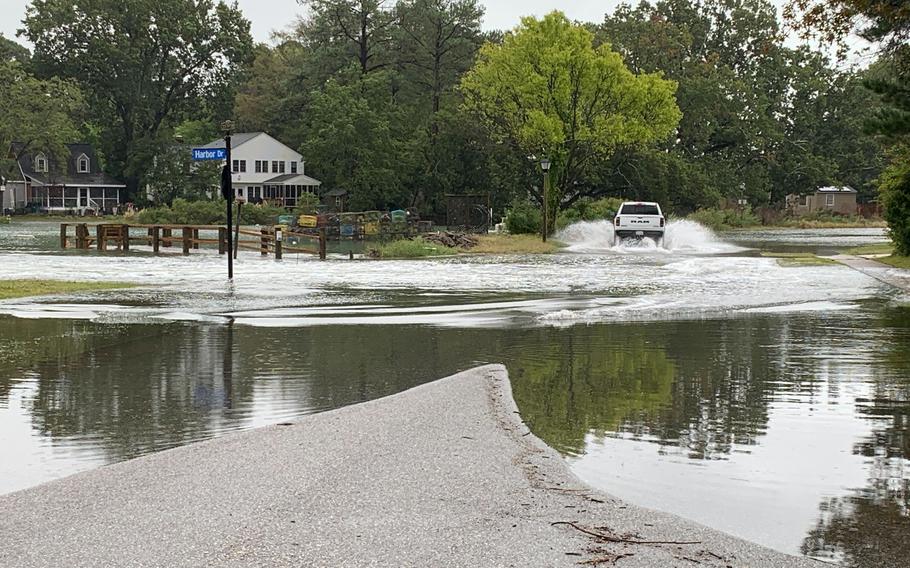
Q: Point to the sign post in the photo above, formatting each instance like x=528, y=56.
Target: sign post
x=227, y=186
x=227, y=190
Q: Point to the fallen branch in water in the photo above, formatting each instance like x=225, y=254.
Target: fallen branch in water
x=611, y=538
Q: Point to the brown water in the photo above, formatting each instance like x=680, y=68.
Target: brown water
x=766, y=401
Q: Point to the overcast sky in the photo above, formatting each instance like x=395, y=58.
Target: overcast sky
x=270, y=15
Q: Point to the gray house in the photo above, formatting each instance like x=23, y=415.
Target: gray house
x=76, y=185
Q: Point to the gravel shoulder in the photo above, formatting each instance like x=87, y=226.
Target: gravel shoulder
x=444, y=474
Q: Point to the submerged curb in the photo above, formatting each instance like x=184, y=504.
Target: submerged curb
x=444, y=474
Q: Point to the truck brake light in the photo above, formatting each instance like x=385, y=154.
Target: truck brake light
x=617, y=221
x=661, y=221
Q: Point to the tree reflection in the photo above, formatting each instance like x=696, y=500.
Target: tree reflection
x=869, y=528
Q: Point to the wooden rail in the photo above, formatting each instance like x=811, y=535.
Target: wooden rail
x=267, y=240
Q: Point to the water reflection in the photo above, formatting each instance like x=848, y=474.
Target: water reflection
x=788, y=429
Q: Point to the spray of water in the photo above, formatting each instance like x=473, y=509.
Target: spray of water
x=682, y=236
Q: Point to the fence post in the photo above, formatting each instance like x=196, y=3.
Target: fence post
x=187, y=236
x=125, y=237
x=195, y=238
x=99, y=237
x=278, y=234
x=264, y=242
x=63, y=229
x=81, y=236
x=156, y=239
x=222, y=240
x=167, y=235
x=322, y=243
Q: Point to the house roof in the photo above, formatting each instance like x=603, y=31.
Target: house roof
x=236, y=140
x=67, y=174
x=336, y=193
x=293, y=179
x=836, y=189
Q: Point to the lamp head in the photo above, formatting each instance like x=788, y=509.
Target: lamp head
x=545, y=164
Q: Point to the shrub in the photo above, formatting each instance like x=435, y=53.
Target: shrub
x=523, y=217
x=307, y=204
x=894, y=188
x=586, y=209
x=719, y=219
x=261, y=214
x=205, y=212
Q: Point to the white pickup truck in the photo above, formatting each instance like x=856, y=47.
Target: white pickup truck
x=637, y=219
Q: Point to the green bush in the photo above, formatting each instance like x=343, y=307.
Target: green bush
x=523, y=217
x=306, y=205
x=894, y=188
x=416, y=248
x=183, y=212
x=586, y=209
x=261, y=214
x=720, y=219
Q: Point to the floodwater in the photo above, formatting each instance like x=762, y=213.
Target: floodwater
x=699, y=377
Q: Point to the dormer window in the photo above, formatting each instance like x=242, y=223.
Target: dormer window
x=41, y=163
x=83, y=165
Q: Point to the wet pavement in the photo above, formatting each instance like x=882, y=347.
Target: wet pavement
x=775, y=396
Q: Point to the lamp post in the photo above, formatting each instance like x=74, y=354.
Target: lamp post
x=227, y=190
x=545, y=166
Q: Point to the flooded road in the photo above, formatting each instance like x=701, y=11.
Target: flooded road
x=768, y=401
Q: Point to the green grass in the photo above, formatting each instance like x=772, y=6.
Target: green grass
x=25, y=288
x=896, y=261
x=798, y=259
x=514, y=244
x=877, y=248
x=416, y=248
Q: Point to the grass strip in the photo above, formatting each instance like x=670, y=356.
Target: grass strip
x=514, y=244
x=33, y=287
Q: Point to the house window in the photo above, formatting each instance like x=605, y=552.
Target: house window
x=274, y=166
x=82, y=164
x=242, y=166
x=804, y=200
x=41, y=163
x=293, y=167
x=235, y=166
x=258, y=166
x=829, y=200
x=281, y=167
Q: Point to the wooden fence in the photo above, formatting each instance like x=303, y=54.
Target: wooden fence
x=274, y=240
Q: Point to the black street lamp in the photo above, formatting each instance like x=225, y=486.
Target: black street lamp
x=227, y=190
x=545, y=166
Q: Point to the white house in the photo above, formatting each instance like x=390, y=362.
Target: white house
x=265, y=169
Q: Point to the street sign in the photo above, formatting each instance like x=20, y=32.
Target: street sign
x=202, y=154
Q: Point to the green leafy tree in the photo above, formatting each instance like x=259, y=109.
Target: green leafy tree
x=12, y=51
x=143, y=64
x=546, y=90
x=355, y=117
x=40, y=114
x=343, y=32
x=175, y=175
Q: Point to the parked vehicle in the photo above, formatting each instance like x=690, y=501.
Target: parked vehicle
x=637, y=220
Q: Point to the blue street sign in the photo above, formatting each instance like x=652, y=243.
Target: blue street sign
x=200, y=154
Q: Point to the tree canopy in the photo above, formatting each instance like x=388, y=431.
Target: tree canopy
x=547, y=91
x=142, y=64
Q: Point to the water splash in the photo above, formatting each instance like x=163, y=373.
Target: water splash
x=682, y=236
